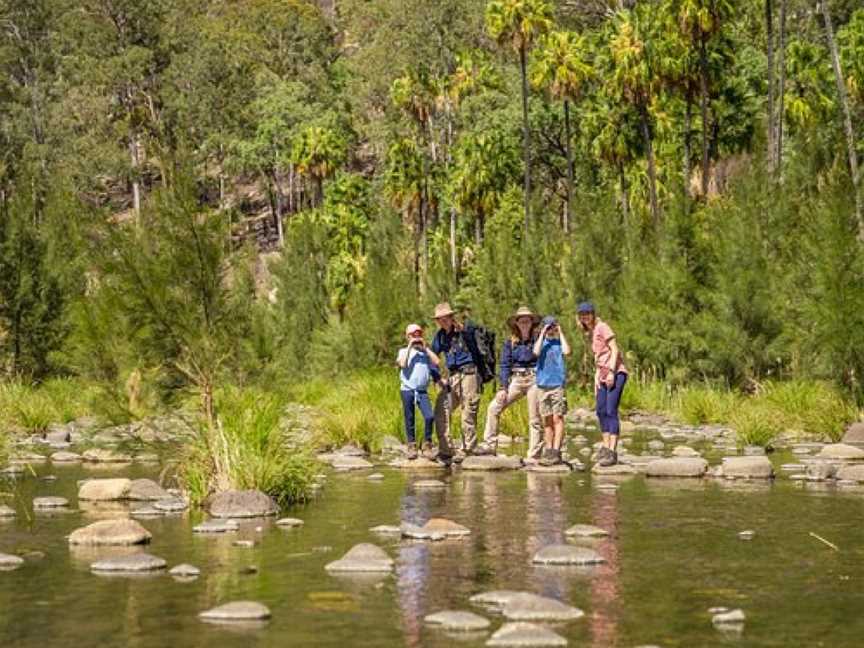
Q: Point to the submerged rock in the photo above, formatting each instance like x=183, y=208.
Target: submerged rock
x=9, y=562
x=289, y=522
x=146, y=490
x=171, y=505
x=106, y=455
x=750, y=467
x=586, y=531
x=7, y=512
x=141, y=562
x=216, y=526
x=457, y=620
x=567, y=555
x=854, y=434
x=122, y=531
x=42, y=503
x=842, y=451
x=185, y=571
x=65, y=457
x=851, y=473
x=349, y=462
x=104, y=489
x=447, y=527
x=677, y=467
x=414, y=532
x=492, y=462
x=238, y=611
x=241, y=504
x=363, y=557
x=525, y=634
x=532, y=607
x=429, y=484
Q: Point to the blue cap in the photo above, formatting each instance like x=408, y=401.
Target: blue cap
x=549, y=321
x=585, y=307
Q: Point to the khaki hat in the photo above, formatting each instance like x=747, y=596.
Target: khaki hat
x=443, y=310
x=523, y=311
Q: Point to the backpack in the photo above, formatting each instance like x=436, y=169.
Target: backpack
x=485, y=342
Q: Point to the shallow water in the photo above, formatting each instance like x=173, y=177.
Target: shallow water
x=673, y=553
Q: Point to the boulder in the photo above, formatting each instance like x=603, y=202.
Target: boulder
x=363, y=557
x=146, y=490
x=567, y=555
x=492, y=462
x=586, y=531
x=63, y=456
x=122, y=531
x=43, y=503
x=106, y=455
x=457, y=620
x=241, y=504
x=747, y=467
x=677, y=467
x=842, y=451
x=447, y=527
x=237, y=611
x=854, y=434
x=103, y=490
x=525, y=634
x=851, y=473
x=185, y=571
x=140, y=562
x=9, y=562
x=216, y=526
x=532, y=607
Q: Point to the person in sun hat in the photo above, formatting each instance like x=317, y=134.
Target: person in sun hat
x=517, y=374
x=610, y=376
x=457, y=342
x=417, y=368
x=551, y=348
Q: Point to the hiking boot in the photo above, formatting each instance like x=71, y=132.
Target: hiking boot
x=610, y=459
x=484, y=450
x=459, y=456
x=428, y=451
x=547, y=458
x=601, y=454
x=558, y=459
x=411, y=451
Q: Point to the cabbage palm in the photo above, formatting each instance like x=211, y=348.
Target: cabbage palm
x=518, y=24
x=317, y=153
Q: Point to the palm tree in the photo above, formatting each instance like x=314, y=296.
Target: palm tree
x=561, y=68
x=404, y=184
x=518, y=23
x=317, y=153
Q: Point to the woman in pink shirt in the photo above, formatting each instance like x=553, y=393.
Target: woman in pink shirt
x=609, y=379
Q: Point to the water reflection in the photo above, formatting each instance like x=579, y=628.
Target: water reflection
x=605, y=586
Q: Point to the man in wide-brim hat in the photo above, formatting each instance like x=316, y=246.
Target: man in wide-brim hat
x=518, y=380
x=462, y=387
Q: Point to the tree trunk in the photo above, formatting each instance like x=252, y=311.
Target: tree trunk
x=136, y=184
x=847, y=116
x=703, y=82
x=688, y=124
x=625, y=200
x=769, y=34
x=526, y=136
x=280, y=208
x=781, y=92
x=454, y=261
x=652, y=171
x=568, y=212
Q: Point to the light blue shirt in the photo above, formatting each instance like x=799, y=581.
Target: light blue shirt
x=550, y=365
x=417, y=373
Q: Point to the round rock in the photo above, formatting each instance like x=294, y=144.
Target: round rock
x=122, y=531
x=135, y=563
x=9, y=562
x=146, y=490
x=414, y=532
x=749, y=467
x=842, y=451
x=289, y=522
x=525, y=634
x=242, y=504
x=677, y=467
x=216, y=526
x=363, y=557
x=532, y=607
x=446, y=527
x=185, y=571
x=238, y=611
x=47, y=503
x=586, y=531
x=492, y=462
x=457, y=620
x=104, y=490
x=567, y=555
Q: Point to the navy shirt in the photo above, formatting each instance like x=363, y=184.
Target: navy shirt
x=458, y=347
x=516, y=356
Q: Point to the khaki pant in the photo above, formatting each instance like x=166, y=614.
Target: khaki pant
x=464, y=392
x=521, y=386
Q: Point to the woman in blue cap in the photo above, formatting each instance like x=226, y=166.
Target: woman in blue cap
x=610, y=376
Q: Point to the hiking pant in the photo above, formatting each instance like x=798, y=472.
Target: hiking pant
x=465, y=392
x=608, y=399
x=522, y=385
x=421, y=399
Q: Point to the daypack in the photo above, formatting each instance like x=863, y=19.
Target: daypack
x=484, y=339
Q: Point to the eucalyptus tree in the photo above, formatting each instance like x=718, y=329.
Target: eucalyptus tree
x=518, y=24
x=562, y=68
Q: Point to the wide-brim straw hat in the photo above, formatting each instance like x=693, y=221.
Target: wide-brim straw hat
x=443, y=310
x=523, y=311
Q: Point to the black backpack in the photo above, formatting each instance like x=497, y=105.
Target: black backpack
x=485, y=341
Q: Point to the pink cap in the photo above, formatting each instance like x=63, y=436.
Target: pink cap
x=413, y=328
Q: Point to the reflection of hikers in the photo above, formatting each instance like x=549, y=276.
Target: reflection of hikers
x=458, y=343
x=417, y=368
x=518, y=365
x=610, y=377
x=550, y=348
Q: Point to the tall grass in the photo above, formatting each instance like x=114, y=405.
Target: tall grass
x=33, y=408
x=248, y=450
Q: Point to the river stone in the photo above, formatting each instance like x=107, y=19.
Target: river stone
x=12, y=470
x=237, y=611
x=171, y=505
x=9, y=562
x=754, y=451
x=429, y=484
x=684, y=451
x=492, y=462
x=386, y=529
x=851, y=473
x=525, y=634
x=677, y=467
x=792, y=467
x=105, y=455
x=49, y=502
x=747, y=534
x=616, y=470
x=732, y=617
x=146, y=513
x=241, y=504
x=351, y=451
x=7, y=511
x=121, y=531
x=447, y=527
x=558, y=469
x=185, y=571
x=854, y=434
x=748, y=467
x=363, y=557
x=146, y=490
x=104, y=489
x=141, y=562
x=27, y=458
x=348, y=462
x=375, y=477
x=820, y=471
x=567, y=555
x=457, y=620
x=496, y=598
x=245, y=543
x=216, y=526
x=586, y=531
x=532, y=607
x=842, y=451
x=65, y=457
x=656, y=445
x=414, y=532
x=289, y=522
x=420, y=463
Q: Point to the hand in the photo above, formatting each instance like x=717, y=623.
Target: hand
x=609, y=380
x=501, y=396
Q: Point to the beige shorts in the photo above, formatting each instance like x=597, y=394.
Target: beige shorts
x=552, y=401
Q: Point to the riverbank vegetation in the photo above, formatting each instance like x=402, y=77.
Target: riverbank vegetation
x=202, y=195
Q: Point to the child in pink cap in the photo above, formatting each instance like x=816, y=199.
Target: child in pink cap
x=417, y=368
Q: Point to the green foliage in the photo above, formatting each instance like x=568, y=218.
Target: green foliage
x=34, y=407
x=755, y=425
x=700, y=405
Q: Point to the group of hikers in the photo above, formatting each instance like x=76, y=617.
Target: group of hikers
x=461, y=359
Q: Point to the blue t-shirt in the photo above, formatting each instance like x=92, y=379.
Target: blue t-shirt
x=550, y=365
x=418, y=370
x=457, y=346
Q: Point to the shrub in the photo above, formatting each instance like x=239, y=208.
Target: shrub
x=705, y=404
x=755, y=424
x=814, y=408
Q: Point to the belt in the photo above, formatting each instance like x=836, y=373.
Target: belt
x=466, y=369
x=523, y=371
